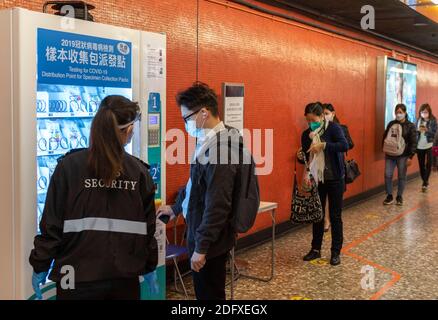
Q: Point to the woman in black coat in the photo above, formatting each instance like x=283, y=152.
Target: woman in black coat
x=330, y=115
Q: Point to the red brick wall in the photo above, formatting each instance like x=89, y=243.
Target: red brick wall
x=283, y=66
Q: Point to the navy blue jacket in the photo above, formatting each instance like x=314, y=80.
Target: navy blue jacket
x=336, y=145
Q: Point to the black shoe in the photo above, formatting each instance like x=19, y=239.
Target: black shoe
x=312, y=255
x=389, y=200
x=399, y=200
x=335, y=259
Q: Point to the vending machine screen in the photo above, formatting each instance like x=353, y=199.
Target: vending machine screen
x=75, y=72
x=64, y=117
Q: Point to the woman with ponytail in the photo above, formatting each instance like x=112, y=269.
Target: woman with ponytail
x=99, y=217
x=330, y=115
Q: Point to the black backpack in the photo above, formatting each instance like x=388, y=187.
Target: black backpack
x=248, y=196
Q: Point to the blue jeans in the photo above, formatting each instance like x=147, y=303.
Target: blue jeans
x=390, y=165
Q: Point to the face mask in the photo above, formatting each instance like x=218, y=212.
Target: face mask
x=130, y=134
x=400, y=116
x=191, y=129
x=128, y=141
x=425, y=115
x=314, y=125
x=329, y=117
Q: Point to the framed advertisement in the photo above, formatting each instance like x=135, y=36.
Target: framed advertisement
x=233, y=108
x=396, y=83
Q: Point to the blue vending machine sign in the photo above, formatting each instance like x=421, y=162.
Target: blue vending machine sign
x=75, y=59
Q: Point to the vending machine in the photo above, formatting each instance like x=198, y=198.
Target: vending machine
x=54, y=72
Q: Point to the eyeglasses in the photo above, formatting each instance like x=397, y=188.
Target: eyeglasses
x=190, y=115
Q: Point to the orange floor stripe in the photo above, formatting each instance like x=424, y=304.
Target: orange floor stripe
x=395, y=276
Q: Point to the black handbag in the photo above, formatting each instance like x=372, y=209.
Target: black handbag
x=351, y=171
x=306, y=206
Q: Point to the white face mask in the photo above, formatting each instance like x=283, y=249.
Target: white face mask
x=425, y=115
x=400, y=116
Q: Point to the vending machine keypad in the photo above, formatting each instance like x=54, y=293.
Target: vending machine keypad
x=154, y=130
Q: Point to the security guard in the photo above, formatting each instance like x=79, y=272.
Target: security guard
x=98, y=223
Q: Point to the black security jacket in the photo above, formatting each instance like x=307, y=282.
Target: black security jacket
x=102, y=231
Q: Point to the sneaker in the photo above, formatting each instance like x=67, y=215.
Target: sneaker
x=335, y=259
x=425, y=187
x=399, y=200
x=312, y=255
x=389, y=200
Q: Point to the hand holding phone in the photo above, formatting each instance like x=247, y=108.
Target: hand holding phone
x=165, y=214
x=164, y=218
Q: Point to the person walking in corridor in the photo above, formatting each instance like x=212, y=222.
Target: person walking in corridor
x=426, y=131
x=399, y=146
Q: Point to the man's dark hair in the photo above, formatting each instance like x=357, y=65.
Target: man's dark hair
x=198, y=96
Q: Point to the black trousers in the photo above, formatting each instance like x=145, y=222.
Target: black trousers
x=425, y=162
x=209, y=282
x=115, y=289
x=333, y=190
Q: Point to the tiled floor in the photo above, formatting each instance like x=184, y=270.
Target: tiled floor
x=395, y=246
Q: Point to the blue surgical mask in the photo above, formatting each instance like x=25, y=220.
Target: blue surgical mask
x=314, y=125
x=191, y=129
